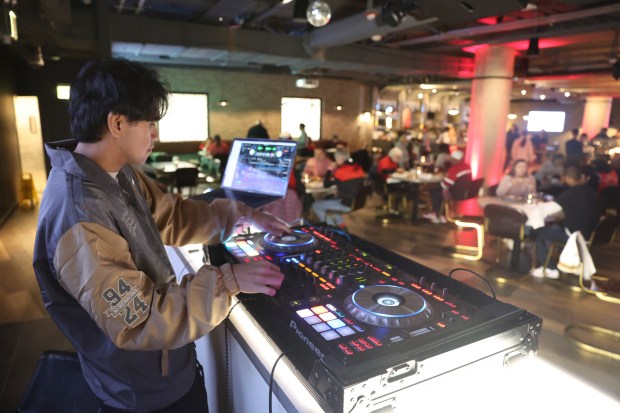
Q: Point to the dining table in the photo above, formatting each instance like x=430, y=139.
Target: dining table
x=413, y=181
x=538, y=208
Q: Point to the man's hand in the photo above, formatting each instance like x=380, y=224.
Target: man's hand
x=266, y=222
x=258, y=277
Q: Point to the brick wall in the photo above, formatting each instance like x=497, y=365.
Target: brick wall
x=254, y=96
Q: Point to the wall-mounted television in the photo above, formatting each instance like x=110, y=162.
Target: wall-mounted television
x=547, y=120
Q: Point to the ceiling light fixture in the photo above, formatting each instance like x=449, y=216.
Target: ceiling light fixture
x=370, y=13
x=319, y=13
x=567, y=94
x=223, y=103
x=394, y=11
x=523, y=92
x=532, y=48
x=338, y=107
x=453, y=111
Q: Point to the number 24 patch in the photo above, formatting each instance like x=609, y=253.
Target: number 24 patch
x=124, y=300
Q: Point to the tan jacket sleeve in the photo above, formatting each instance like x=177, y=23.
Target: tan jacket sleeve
x=187, y=221
x=94, y=265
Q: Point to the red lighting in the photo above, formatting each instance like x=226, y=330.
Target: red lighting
x=522, y=45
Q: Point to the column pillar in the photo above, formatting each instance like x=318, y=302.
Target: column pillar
x=596, y=114
x=489, y=106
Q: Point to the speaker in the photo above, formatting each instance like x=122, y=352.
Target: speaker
x=456, y=12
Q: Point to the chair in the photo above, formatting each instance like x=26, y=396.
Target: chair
x=358, y=202
x=604, y=234
x=603, y=289
x=58, y=386
x=502, y=221
x=163, y=157
x=462, y=190
x=185, y=178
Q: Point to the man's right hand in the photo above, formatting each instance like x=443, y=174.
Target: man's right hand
x=258, y=277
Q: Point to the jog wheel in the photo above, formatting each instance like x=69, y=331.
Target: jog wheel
x=388, y=306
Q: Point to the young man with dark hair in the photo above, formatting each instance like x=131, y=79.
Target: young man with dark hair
x=99, y=253
x=581, y=209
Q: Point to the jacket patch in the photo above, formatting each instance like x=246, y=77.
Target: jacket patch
x=129, y=222
x=126, y=301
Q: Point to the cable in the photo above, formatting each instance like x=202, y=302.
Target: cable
x=273, y=369
x=477, y=275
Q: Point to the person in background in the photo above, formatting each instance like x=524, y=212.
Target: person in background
x=258, y=131
x=302, y=140
x=574, y=149
x=523, y=148
x=442, y=193
x=517, y=182
x=550, y=173
x=443, y=159
x=390, y=162
x=581, y=209
x=317, y=166
x=348, y=178
x=218, y=147
x=403, y=144
x=601, y=174
x=511, y=136
x=99, y=254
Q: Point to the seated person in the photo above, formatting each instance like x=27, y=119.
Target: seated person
x=218, y=147
x=518, y=182
x=317, y=166
x=290, y=207
x=348, y=178
x=390, y=162
x=550, y=173
x=601, y=174
x=442, y=161
x=439, y=194
x=581, y=210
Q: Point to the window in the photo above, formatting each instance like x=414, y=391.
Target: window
x=187, y=118
x=301, y=110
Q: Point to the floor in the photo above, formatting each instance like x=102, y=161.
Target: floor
x=26, y=331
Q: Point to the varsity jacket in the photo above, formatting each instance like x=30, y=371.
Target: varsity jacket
x=106, y=280
x=348, y=178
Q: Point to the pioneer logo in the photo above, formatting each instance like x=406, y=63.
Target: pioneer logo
x=305, y=339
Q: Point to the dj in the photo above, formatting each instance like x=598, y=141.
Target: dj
x=99, y=253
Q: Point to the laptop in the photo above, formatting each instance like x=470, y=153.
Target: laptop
x=257, y=172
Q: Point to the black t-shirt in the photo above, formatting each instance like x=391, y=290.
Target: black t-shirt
x=581, y=209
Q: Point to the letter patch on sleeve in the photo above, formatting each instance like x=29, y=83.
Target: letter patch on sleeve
x=124, y=300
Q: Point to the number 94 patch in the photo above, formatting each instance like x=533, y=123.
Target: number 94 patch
x=125, y=301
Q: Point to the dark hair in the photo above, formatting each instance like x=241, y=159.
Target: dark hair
x=113, y=85
x=217, y=139
x=512, y=172
x=301, y=125
x=573, y=171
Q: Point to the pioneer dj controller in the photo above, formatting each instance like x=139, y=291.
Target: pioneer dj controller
x=352, y=315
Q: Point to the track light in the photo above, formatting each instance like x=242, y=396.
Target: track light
x=393, y=11
x=533, y=49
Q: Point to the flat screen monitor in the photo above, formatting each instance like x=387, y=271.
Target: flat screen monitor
x=548, y=121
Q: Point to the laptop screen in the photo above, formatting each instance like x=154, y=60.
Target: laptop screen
x=259, y=165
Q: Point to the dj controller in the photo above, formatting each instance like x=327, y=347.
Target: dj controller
x=361, y=323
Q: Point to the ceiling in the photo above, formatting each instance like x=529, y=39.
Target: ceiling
x=433, y=43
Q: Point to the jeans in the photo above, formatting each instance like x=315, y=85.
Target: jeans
x=321, y=207
x=544, y=236
x=194, y=401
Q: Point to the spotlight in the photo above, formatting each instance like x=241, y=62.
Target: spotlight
x=393, y=11
x=533, y=49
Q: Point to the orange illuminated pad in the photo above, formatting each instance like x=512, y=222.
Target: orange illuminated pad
x=319, y=309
